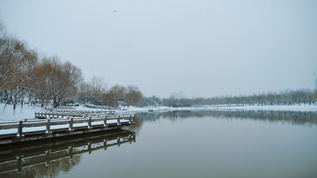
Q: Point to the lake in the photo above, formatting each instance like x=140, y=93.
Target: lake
x=181, y=144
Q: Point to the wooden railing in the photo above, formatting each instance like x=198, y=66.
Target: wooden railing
x=72, y=113
x=49, y=126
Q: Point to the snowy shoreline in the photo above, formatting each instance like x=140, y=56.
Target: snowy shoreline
x=28, y=111
x=302, y=108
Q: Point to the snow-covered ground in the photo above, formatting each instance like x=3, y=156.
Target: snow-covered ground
x=301, y=107
x=233, y=107
x=25, y=112
x=28, y=111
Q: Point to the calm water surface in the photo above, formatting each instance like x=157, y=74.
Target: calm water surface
x=191, y=144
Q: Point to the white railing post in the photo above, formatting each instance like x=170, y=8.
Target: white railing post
x=105, y=121
x=118, y=120
x=48, y=125
x=71, y=123
x=89, y=123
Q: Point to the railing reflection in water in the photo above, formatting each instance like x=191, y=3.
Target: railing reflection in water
x=48, y=159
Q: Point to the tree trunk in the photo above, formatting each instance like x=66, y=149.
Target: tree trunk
x=55, y=103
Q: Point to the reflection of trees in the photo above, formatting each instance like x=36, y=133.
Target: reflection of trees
x=141, y=117
x=291, y=117
x=50, y=158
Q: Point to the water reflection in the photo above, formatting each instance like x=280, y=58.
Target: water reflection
x=289, y=117
x=228, y=143
x=49, y=159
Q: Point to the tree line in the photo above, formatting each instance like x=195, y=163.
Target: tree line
x=291, y=97
x=95, y=92
x=25, y=74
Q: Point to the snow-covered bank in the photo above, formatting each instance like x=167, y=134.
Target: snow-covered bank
x=301, y=107
x=25, y=112
x=232, y=107
x=28, y=111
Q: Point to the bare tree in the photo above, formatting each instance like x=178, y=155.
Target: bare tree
x=133, y=95
x=116, y=94
x=39, y=85
x=61, y=79
x=84, y=93
x=98, y=89
x=25, y=73
x=93, y=92
x=21, y=73
x=9, y=61
x=17, y=64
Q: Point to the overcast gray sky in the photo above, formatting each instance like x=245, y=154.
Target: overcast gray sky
x=203, y=48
